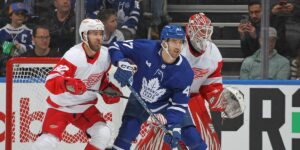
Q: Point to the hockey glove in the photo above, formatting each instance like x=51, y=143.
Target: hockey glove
x=111, y=94
x=234, y=102
x=126, y=69
x=173, y=137
x=75, y=86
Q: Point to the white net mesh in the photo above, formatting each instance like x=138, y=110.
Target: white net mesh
x=28, y=98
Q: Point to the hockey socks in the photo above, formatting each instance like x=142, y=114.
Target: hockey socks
x=192, y=138
x=128, y=132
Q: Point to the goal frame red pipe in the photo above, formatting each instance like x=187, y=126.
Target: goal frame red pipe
x=9, y=82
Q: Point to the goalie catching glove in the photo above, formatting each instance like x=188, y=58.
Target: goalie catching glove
x=233, y=100
x=126, y=69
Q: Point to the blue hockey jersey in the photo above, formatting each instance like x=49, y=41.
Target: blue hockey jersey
x=128, y=12
x=22, y=35
x=160, y=85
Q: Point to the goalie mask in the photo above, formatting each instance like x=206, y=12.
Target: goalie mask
x=233, y=99
x=88, y=25
x=199, y=31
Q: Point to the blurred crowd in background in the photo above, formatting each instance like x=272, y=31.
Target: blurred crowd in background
x=47, y=28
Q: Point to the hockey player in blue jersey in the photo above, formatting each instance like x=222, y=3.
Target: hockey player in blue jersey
x=162, y=78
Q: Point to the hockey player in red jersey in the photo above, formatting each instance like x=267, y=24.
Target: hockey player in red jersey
x=83, y=67
x=206, y=62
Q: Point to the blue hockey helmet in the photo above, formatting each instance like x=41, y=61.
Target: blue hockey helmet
x=172, y=31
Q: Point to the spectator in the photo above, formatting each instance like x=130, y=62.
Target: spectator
x=41, y=40
x=40, y=8
x=62, y=26
x=18, y=34
x=128, y=13
x=280, y=14
x=295, y=67
x=4, y=19
x=111, y=33
x=279, y=66
x=249, y=29
x=15, y=37
x=292, y=30
x=93, y=7
x=158, y=14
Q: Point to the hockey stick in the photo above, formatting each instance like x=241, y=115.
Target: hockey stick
x=144, y=105
x=112, y=94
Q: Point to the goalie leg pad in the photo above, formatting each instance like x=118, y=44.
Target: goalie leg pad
x=192, y=138
x=45, y=142
x=100, y=135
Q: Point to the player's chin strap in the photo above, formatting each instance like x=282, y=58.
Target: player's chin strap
x=166, y=49
x=86, y=41
x=234, y=102
x=144, y=105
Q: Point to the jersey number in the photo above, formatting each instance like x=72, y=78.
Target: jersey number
x=128, y=44
x=187, y=91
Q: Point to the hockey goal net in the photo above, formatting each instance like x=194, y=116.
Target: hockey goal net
x=26, y=108
x=25, y=95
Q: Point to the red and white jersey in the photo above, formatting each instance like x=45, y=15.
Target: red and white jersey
x=207, y=71
x=76, y=64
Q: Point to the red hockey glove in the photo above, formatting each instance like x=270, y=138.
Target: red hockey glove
x=75, y=86
x=111, y=94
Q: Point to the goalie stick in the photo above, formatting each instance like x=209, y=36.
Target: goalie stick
x=112, y=94
x=144, y=105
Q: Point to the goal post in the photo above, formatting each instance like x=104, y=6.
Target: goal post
x=16, y=64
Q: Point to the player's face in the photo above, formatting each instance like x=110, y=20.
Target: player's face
x=175, y=47
x=95, y=39
x=203, y=33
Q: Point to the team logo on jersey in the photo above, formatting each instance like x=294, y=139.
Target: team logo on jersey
x=151, y=91
x=61, y=69
x=93, y=79
x=198, y=72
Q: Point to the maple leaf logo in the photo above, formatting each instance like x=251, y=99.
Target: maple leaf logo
x=150, y=91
